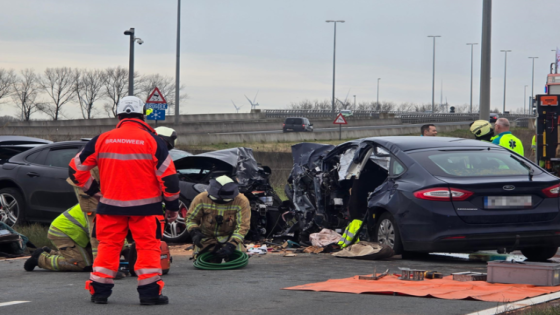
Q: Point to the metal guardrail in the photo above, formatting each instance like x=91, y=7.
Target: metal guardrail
x=406, y=117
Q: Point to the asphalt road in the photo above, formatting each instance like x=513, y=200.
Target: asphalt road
x=256, y=289
x=352, y=128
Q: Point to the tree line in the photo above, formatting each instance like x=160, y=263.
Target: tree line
x=96, y=92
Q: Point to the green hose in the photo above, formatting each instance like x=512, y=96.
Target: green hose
x=239, y=260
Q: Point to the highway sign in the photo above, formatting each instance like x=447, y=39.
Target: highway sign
x=158, y=106
x=156, y=114
x=340, y=120
x=156, y=97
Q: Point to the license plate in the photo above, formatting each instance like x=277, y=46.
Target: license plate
x=507, y=202
x=289, y=129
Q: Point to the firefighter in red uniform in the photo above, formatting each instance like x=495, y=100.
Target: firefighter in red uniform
x=136, y=173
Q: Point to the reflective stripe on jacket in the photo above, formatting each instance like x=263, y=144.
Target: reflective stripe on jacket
x=349, y=234
x=509, y=141
x=235, y=223
x=73, y=224
x=135, y=169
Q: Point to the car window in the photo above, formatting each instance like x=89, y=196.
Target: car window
x=294, y=121
x=464, y=163
x=60, y=157
x=397, y=168
x=33, y=157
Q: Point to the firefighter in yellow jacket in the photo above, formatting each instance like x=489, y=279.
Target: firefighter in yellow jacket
x=219, y=219
x=69, y=233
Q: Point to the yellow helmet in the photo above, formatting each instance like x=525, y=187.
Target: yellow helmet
x=481, y=128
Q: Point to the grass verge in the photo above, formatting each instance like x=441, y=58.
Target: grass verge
x=36, y=232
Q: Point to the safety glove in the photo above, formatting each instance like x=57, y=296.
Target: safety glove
x=196, y=236
x=171, y=216
x=226, y=251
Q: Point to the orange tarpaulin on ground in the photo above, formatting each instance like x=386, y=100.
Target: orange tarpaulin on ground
x=445, y=288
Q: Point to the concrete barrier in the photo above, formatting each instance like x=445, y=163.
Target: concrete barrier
x=186, y=138
x=183, y=129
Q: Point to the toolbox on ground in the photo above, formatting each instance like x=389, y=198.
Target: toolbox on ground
x=535, y=273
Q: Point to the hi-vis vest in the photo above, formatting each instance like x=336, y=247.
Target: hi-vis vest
x=72, y=223
x=350, y=232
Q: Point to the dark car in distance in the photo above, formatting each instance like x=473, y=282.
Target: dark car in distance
x=494, y=117
x=429, y=194
x=297, y=124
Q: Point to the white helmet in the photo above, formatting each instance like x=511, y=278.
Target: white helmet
x=168, y=135
x=130, y=105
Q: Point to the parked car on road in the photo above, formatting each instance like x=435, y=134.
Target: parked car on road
x=33, y=185
x=297, y=124
x=494, y=117
x=13, y=145
x=427, y=194
x=346, y=113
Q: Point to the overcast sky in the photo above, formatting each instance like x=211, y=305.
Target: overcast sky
x=284, y=48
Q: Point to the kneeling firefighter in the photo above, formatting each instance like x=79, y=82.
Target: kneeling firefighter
x=482, y=130
x=69, y=233
x=219, y=219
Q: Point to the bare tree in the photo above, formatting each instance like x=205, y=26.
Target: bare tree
x=58, y=83
x=26, y=88
x=166, y=86
x=115, y=88
x=88, y=88
x=7, y=78
x=312, y=105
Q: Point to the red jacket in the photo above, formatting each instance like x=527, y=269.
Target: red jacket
x=135, y=169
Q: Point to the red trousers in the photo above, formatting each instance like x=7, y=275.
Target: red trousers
x=111, y=231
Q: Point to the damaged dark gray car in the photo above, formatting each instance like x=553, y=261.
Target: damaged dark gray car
x=426, y=194
x=195, y=172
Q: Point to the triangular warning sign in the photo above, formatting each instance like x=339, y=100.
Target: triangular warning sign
x=156, y=97
x=340, y=120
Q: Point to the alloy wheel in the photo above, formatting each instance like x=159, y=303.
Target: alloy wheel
x=386, y=233
x=9, y=209
x=175, y=230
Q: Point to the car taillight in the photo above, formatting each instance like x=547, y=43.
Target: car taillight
x=443, y=194
x=552, y=191
x=303, y=126
x=283, y=125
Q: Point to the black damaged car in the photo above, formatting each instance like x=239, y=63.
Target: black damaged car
x=427, y=194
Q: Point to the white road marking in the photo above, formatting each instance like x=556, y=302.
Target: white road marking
x=12, y=303
x=517, y=305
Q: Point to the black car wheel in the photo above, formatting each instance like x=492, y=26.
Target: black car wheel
x=11, y=206
x=386, y=232
x=539, y=253
x=176, y=232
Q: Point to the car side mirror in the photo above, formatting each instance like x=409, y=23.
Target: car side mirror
x=311, y=125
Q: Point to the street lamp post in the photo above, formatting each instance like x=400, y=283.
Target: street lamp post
x=334, y=62
x=434, y=72
x=555, y=63
x=532, y=84
x=485, y=60
x=178, y=63
x=378, y=93
x=505, y=71
x=472, y=45
x=525, y=99
x=133, y=39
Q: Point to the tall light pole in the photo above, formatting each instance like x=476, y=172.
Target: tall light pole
x=334, y=63
x=133, y=39
x=505, y=71
x=525, y=99
x=434, y=72
x=485, y=60
x=532, y=84
x=178, y=63
x=378, y=92
x=472, y=45
x=555, y=61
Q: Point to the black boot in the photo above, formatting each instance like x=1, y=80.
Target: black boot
x=100, y=292
x=150, y=294
x=33, y=261
x=158, y=300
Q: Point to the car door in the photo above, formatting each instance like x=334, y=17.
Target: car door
x=44, y=180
